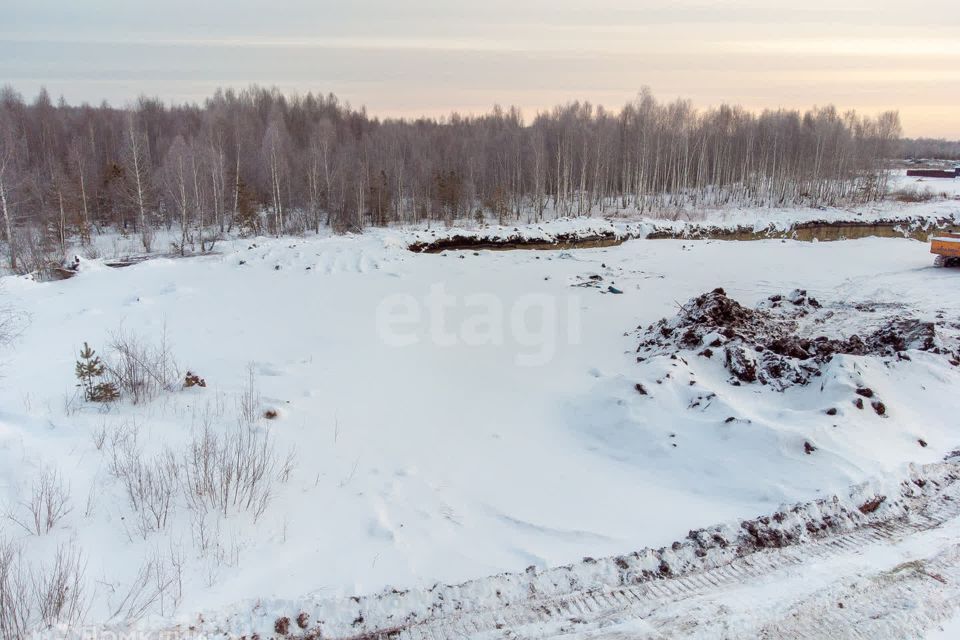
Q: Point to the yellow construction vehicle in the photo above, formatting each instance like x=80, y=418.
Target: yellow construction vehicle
x=946, y=248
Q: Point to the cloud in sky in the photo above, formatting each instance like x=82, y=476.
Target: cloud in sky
x=431, y=57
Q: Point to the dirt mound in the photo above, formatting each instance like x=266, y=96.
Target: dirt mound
x=517, y=240
x=769, y=344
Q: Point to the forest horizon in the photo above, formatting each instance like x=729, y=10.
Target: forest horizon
x=265, y=162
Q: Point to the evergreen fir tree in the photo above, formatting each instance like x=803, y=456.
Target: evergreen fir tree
x=89, y=370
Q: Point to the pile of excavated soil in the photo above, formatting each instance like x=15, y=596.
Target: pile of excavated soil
x=465, y=242
x=769, y=345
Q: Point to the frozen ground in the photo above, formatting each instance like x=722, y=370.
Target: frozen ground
x=452, y=415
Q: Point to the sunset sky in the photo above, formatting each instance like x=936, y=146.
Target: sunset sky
x=430, y=57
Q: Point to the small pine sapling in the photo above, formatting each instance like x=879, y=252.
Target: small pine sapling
x=89, y=371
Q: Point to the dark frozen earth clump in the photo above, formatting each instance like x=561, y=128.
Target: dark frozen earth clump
x=786, y=340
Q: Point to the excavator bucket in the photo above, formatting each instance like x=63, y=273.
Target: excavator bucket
x=946, y=248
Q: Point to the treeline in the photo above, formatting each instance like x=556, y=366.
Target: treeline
x=929, y=149
x=261, y=162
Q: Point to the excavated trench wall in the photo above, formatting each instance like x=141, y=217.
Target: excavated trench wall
x=808, y=231
x=823, y=231
x=463, y=243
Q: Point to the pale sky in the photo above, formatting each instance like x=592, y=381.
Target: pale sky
x=413, y=57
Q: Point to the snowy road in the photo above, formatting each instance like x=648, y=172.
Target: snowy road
x=903, y=590
x=882, y=583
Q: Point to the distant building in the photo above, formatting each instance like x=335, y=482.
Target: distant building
x=934, y=173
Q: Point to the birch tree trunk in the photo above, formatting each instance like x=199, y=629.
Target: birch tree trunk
x=8, y=225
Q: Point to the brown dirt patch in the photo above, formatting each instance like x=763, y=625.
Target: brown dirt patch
x=766, y=344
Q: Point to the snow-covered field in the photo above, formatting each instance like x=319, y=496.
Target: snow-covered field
x=438, y=418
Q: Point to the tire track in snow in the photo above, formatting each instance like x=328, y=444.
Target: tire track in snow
x=608, y=605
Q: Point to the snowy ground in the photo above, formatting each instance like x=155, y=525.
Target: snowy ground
x=452, y=415
x=945, y=187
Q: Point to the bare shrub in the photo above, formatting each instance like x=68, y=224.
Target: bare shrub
x=9, y=324
x=37, y=252
x=99, y=437
x=71, y=403
x=912, y=195
x=216, y=549
x=233, y=471
x=287, y=467
x=15, y=609
x=158, y=587
x=250, y=399
x=91, y=505
x=57, y=588
x=138, y=597
x=230, y=472
x=150, y=484
x=151, y=487
x=205, y=530
x=49, y=593
x=168, y=579
x=49, y=502
x=156, y=487
x=123, y=442
x=142, y=370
